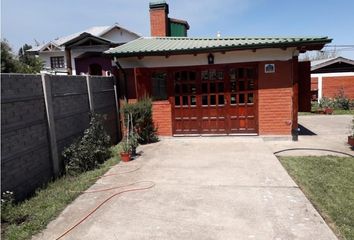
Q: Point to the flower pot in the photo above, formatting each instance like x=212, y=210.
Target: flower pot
x=351, y=141
x=125, y=156
x=328, y=111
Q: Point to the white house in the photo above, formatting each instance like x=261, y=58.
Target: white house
x=81, y=52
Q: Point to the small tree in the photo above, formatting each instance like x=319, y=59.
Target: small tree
x=31, y=63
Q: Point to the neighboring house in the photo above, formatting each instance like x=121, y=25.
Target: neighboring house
x=330, y=76
x=82, y=52
x=233, y=85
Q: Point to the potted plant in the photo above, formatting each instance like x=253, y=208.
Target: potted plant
x=326, y=104
x=125, y=154
x=351, y=136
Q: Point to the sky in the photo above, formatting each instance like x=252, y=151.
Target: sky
x=24, y=21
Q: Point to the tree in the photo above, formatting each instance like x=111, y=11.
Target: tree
x=33, y=63
x=8, y=63
x=23, y=63
x=318, y=55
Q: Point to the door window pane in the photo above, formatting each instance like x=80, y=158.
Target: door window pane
x=233, y=86
x=159, y=86
x=220, y=75
x=204, y=88
x=232, y=74
x=212, y=100
x=193, y=89
x=221, y=100
x=205, y=75
x=204, y=100
x=193, y=101
x=250, y=84
x=241, y=98
x=192, y=76
x=184, y=88
x=233, y=99
x=220, y=87
x=241, y=85
x=250, y=98
x=212, y=87
x=185, y=100
x=184, y=75
x=241, y=73
x=177, y=101
x=177, y=88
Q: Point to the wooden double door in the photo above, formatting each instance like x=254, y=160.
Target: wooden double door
x=215, y=100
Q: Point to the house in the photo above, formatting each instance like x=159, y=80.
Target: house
x=202, y=86
x=82, y=52
x=330, y=76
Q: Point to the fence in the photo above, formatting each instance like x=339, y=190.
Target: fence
x=40, y=116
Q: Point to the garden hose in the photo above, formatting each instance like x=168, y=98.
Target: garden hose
x=152, y=184
x=314, y=149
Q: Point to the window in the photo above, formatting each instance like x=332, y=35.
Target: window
x=159, y=88
x=57, y=62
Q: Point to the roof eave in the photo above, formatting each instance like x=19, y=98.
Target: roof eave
x=303, y=46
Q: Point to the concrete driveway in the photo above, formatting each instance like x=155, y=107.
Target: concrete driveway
x=318, y=132
x=206, y=188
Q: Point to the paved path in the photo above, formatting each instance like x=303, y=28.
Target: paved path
x=206, y=188
x=320, y=132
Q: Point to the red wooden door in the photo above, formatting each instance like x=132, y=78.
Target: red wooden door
x=215, y=100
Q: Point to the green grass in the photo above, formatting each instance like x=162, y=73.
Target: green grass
x=328, y=182
x=343, y=112
x=31, y=216
x=335, y=112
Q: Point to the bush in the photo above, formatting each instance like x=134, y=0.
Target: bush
x=141, y=113
x=341, y=100
x=326, y=103
x=91, y=150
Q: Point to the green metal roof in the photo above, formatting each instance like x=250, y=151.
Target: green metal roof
x=146, y=46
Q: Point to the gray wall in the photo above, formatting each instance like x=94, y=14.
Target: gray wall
x=26, y=156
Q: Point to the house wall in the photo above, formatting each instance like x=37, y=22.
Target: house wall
x=82, y=64
x=329, y=84
x=277, y=97
x=77, y=51
x=45, y=57
x=119, y=36
x=162, y=117
x=275, y=103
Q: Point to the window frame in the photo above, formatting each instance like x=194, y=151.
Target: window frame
x=57, y=62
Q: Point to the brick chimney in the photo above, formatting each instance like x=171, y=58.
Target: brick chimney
x=159, y=22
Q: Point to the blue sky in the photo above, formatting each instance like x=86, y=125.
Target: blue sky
x=43, y=20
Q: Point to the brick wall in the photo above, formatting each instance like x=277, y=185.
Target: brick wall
x=314, y=83
x=26, y=162
x=275, y=99
x=331, y=86
x=162, y=117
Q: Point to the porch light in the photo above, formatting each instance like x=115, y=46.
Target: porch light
x=210, y=58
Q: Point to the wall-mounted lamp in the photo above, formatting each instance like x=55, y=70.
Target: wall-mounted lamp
x=210, y=58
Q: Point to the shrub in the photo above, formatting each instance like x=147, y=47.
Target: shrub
x=341, y=100
x=326, y=103
x=141, y=113
x=91, y=150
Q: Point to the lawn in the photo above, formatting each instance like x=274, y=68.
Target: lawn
x=31, y=216
x=335, y=112
x=328, y=181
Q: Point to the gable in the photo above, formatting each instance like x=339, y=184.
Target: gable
x=50, y=47
x=335, y=67
x=119, y=35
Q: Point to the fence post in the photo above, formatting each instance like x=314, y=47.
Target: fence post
x=89, y=92
x=117, y=106
x=47, y=92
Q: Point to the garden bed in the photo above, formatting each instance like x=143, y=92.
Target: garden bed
x=31, y=216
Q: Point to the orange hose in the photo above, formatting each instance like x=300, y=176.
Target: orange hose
x=106, y=200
